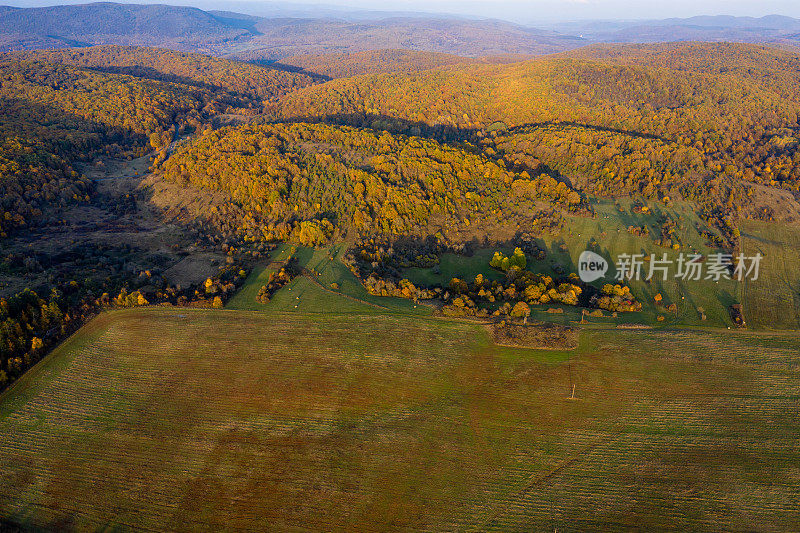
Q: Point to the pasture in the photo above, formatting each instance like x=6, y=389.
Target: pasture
x=773, y=301
x=609, y=229
x=176, y=419
x=312, y=292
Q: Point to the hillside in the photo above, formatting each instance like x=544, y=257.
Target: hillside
x=756, y=62
x=652, y=94
x=54, y=115
x=250, y=37
x=383, y=61
x=178, y=67
x=305, y=181
x=371, y=62
x=75, y=142
x=737, y=116
x=110, y=23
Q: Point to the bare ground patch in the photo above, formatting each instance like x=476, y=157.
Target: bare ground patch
x=541, y=336
x=784, y=205
x=194, y=269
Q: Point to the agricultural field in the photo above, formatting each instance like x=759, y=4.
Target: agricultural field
x=773, y=301
x=179, y=419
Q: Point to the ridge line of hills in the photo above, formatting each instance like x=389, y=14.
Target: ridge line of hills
x=269, y=38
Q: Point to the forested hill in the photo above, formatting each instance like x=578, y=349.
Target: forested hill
x=372, y=62
x=305, y=181
x=753, y=61
x=64, y=106
x=110, y=23
x=698, y=121
x=53, y=115
x=179, y=67
x=736, y=105
x=251, y=37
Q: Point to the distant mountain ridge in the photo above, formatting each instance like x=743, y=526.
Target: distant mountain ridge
x=729, y=21
x=281, y=37
x=252, y=37
x=110, y=23
x=271, y=36
x=767, y=29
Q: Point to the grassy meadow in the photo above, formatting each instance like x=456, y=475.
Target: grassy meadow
x=313, y=292
x=773, y=301
x=609, y=228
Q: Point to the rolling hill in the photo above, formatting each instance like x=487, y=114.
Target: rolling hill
x=705, y=98
x=110, y=23
x=371, y=62
x=250, y=37
x=177, y=67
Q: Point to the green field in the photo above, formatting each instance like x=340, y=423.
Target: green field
x=312, y=292
x=773, y=301
x=609, y=229
x=221, y=419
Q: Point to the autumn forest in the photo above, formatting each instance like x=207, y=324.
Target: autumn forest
x=367, y=216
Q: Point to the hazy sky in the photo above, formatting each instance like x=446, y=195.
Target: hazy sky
x=522, y=11
x=583, y=9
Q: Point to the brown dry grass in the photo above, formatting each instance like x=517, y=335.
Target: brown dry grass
x=543, y=336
